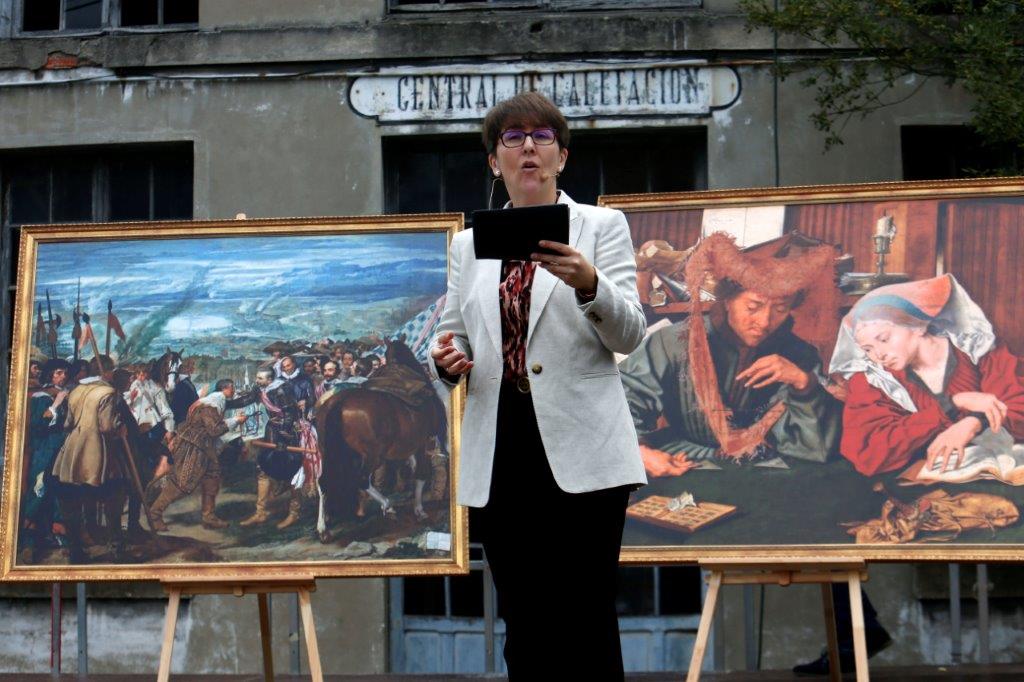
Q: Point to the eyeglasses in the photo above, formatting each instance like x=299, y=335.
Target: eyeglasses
x=514, y=137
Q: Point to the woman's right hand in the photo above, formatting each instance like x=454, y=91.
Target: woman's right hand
x=659, y=463
x=947, y=450
x=987, y=404
x=449, y=358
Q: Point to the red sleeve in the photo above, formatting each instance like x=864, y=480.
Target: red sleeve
x=879, y=435
x=1001, y=376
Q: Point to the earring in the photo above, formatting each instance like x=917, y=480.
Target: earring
x=497, y=173
x=559, y=171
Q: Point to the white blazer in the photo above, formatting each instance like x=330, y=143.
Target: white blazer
x=582, y=415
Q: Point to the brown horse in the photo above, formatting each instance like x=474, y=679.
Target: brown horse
x=392, y=417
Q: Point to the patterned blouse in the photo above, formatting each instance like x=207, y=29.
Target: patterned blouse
x=514, y=298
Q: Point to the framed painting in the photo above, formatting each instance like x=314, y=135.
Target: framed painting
x=231, y=399
x=829, y=371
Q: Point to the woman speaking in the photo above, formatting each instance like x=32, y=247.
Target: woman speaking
x=549, y=454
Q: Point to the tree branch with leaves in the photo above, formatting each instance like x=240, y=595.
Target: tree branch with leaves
x=866, y=52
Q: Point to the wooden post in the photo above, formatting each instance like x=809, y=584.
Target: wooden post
x=301, y=585
x=835, y=673
x=170, y=620
x=309, y=630
x=704, y=629
x=821, y=570
x=860, y=647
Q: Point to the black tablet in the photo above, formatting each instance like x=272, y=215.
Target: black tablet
x=513, y=233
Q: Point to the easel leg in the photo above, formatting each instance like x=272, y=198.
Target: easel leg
x=834, y=671
x=312, y=650
x=170, y=620
x=268, y=653
x=704, y=629
x=860, y=647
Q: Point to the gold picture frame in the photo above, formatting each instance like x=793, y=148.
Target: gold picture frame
x=379, y=270
x=968, y=228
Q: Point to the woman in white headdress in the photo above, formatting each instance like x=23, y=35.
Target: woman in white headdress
x=926, y=376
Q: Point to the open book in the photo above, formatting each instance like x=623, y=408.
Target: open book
x=989, y=456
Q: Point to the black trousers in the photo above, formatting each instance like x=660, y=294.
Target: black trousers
x=874, y=631
x=554, y=557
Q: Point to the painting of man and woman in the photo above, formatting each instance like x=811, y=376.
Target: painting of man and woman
x=836, y=367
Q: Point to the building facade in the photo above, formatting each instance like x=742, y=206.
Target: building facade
x=203, y=109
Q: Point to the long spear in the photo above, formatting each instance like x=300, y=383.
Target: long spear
x=76, y=331
x=40, y=326
x=100, y=363
x=51, y=335
x=110, y=311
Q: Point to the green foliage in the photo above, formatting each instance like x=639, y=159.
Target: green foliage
x=868, y=52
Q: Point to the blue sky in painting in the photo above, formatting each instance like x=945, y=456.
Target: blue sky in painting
x=232, y=296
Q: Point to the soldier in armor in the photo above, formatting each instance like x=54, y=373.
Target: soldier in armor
x=279, y=397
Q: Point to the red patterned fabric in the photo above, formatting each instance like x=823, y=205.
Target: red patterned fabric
x=514, y=298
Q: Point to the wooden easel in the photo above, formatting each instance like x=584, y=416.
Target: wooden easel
x=819, y=570
x=302, y=585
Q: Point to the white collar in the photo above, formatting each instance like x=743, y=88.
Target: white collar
x=215, y=399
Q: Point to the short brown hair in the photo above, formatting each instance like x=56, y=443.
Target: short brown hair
x=526, y=108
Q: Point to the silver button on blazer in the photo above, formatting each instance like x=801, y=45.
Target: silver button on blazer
x=581, y=408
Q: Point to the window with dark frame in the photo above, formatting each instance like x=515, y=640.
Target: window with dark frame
x=450, y=173
x=137, y=183
x=86, y=15
x=159, y=12
x=939, y=152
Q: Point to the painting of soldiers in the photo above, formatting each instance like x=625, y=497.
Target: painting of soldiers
x=175, y=419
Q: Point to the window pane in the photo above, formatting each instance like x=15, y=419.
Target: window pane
x=80, y=14
x=30, y=192
x=465, y=181
x=419, y=179
x=468, y=595
x=181, y=11
x=424, y=596
x=636, y=591
x=625, y=168
x=172, y=188
x=129, y=189
x=72, y=191
x=41, y=15
x=680, y=590
x=581, y=178
x=948, y=152
x=679, y=167
x=140, y=12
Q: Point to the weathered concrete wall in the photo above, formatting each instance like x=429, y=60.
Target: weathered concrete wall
x=265, y=148
x=215, y=634
x=918, y=620
x=215, y=14
x=741, y=144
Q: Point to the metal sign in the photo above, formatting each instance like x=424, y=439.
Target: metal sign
x=619, y=89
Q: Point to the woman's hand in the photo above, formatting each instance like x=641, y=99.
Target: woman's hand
x=985, y=403
x=659, y=463
x=449, y=358
x=948, y=446
x=771, y=369
x=569, y=265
